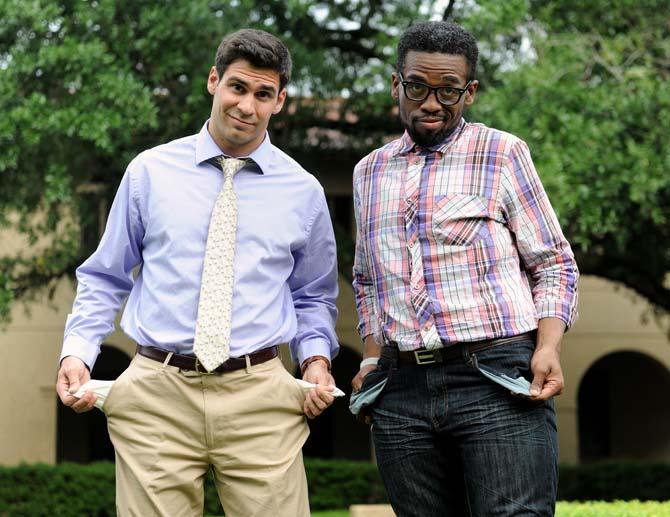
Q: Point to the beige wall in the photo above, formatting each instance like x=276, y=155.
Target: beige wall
x=611, y=319
x=29, y=352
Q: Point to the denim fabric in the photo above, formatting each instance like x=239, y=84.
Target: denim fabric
x=450, y=442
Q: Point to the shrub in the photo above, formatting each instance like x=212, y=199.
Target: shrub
x=74, y=490
x=612, y=480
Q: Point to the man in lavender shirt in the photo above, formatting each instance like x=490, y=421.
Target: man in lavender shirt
x=170, y=421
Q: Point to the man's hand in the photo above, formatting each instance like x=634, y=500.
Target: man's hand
x=547, y=374
x=546, y=361
x=357, y=381
x=71, y=375
x=319, y=398
x=371, y=349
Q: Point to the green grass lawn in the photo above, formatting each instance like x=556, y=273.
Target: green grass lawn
x=588, y=509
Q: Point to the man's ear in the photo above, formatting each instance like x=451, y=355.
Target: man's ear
x=395, y=86
x=470, y=94
x=281, y=98
x=212, y=80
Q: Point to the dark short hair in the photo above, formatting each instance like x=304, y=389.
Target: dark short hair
x=442, y=37
x=260, y=48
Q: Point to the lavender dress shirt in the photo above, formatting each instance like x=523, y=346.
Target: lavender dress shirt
x=153, y=248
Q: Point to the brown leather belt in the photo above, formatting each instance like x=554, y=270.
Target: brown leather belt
x=189, y=362
x=448, y=353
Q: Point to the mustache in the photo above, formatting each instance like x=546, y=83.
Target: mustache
x=430, y=118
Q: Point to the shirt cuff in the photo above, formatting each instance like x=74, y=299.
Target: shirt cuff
x=555, y=309
x=80, y=348
x=314, y=347
x=367, y=328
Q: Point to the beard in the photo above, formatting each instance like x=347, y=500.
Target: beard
x=424, y=138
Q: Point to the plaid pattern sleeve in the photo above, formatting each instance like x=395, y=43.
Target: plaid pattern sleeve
x=457, y=243
x=544, y=251
x=363, y=287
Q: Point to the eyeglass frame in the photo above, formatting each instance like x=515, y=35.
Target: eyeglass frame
x=433, y=89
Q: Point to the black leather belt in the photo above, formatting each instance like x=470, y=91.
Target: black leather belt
x=448, y=353
x=189, y=362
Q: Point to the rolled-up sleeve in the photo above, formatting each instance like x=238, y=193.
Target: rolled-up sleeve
x=544, y=251
x=364, y=288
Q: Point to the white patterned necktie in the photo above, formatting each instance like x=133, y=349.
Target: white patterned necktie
x=212, y=328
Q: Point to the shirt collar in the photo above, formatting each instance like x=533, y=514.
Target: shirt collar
x=206, y=148
x=408, y=145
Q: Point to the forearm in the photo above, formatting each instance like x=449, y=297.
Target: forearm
x=549, y=334
x=546, y=361
x=371, y=348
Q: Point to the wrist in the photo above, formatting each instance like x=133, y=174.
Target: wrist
x=315, y=358
x=368, y=361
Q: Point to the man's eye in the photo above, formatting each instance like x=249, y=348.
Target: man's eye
x=416, y=89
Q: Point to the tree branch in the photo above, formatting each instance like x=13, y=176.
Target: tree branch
x=448, y=10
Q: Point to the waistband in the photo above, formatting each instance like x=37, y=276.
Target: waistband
x=190, y=362
x=423, y=356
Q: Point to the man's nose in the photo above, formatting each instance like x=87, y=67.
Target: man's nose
x=246, y=104
x=431, y=104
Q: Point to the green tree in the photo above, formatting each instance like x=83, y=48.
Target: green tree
x=586, y=84
x=85, y=85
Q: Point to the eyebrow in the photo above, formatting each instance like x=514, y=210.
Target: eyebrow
x=270, y=88
x=445, y=78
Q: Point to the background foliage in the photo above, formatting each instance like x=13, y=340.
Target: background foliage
x=85, y=85
x=70, y=489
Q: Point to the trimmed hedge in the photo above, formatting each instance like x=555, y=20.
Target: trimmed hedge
x=612, y=480
x=74, y=490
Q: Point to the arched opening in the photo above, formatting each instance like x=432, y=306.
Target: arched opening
x=83, y=438
x=336, y=433
x=623, y=410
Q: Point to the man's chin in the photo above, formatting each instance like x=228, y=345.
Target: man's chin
x=427, y=139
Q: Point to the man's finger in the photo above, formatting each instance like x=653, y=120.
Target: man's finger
x=318, y=400
x=537, y=384
x=552, y=388
x=85, y=403
x=325, y=393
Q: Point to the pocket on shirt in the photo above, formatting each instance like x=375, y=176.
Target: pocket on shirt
x=460, y=220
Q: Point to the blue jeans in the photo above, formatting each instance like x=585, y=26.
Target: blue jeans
x=450, y=442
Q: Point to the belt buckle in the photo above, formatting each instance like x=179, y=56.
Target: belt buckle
x=424, y=356
x=201, y=372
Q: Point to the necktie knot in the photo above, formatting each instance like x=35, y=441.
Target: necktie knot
x=230, y=166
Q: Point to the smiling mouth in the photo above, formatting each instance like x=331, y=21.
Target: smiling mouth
x=240, y=121
x=431, y=122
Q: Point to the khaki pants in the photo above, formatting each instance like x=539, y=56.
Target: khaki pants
x=169, y=426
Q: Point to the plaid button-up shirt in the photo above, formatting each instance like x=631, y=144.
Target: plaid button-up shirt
x=457, y=243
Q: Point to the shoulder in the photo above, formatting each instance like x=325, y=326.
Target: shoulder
x=477, y=136
x=377, y=157
x=173, y=151
x=290, y=167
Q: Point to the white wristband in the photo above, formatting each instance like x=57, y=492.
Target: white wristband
x=368, y=361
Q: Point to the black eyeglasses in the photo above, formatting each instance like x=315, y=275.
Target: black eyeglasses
x=445, y=95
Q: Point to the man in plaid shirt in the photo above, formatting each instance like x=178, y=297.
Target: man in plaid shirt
x=465, y=285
